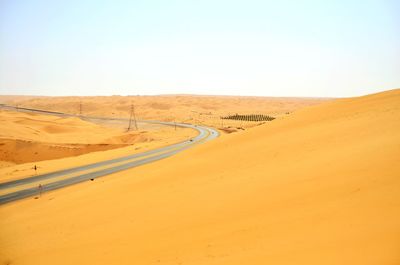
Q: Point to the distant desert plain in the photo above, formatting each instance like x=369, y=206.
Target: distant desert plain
x=288, y=181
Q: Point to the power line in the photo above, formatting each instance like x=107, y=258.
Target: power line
x=132, y=115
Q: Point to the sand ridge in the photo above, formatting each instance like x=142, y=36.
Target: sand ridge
x=32, y=137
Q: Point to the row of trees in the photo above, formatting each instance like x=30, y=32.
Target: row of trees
x=249, y=117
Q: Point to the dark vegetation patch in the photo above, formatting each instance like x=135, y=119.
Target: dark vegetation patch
x=248, y=117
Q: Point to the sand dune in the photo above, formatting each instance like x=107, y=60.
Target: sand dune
x=27, y=137
x=185, y=108
x=320, y=186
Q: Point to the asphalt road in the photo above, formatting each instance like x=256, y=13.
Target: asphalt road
x=18, y=189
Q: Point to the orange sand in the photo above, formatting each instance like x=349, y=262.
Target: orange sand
x=320, y=186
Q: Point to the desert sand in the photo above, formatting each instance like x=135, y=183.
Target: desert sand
x=318, y=186
x=196, y=109
x=31, y=139
x=27, y=138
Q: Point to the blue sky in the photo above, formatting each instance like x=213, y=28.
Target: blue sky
x=268, y=48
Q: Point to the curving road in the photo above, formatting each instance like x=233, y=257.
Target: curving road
x=22, y=188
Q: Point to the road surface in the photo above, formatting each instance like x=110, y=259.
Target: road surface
x=35, y=185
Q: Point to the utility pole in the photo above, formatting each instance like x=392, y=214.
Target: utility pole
x=80, y=108
x=132, y=115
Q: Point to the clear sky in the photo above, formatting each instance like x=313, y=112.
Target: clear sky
x=142, y=47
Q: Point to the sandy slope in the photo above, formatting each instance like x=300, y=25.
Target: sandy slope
x=26, y=137
x=320, y=186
